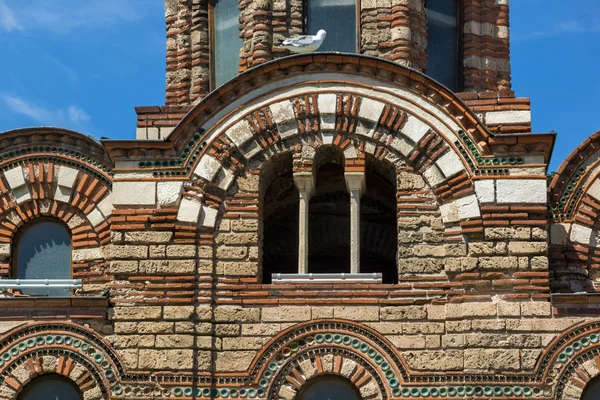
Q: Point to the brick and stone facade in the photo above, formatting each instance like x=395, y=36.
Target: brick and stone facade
x=497, y=263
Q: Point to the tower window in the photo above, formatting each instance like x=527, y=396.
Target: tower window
x=592, y=390
x=338, y=19
x=444, y=42
x=226, y=42
x=43, y=251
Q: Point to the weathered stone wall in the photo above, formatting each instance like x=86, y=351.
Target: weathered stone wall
x=172, y=230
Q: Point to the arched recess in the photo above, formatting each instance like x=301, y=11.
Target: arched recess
x=52, y=172
x=328, y=347
x=65, y=349
x=575, y=227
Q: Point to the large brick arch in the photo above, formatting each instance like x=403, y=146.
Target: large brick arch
x=67, y=349
x=51, y=172
x=575, y=230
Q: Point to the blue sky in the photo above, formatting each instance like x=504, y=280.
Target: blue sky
x=84, y=64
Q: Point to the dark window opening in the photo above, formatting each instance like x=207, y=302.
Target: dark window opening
x=592, y=390
x=43, y=251
x=280, y=219
x=378, y=223
x=51, y=387
x=337, y=18
x=444, y=45
x=329, y=388
x=329, y=222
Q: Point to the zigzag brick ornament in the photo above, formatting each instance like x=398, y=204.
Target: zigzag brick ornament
x=361, y=221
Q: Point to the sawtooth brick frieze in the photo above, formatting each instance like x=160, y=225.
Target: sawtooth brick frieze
x=200, y=246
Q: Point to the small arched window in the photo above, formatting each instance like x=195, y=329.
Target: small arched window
x=592, y=390
x=444, y=44
x=43, y=251
x=226, y=41
x=338, y=18
x=329, y=387
x=51, y=386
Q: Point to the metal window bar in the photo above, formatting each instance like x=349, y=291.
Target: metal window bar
x=40, y=283
x=375, y=277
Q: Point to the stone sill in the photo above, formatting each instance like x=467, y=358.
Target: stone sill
x=575, y=298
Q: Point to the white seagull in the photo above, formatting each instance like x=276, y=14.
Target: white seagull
x=304, y=43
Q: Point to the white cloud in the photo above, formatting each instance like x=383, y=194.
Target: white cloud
x=8, y=21
x=71, y=116
x=77, y=115
x=66, y=16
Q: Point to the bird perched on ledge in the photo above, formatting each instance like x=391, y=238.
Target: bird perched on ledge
x=304, y=43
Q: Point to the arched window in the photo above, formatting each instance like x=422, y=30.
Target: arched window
x=338, y=18
x=379, y=221
x=592, y=390
x=444, y=44
x=43, y=251
x=329, y=388
x=51, y=386
x=329, y=220
x=226, y=41
x=279, y=218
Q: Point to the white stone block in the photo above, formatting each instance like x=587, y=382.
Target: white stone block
x=350, y=153
x=15, y=177
x=189, y=210
x=559, y=233
x=207, y=167
x=415, y=129
x=433, y=176
x=521, y=191
x=134, y=193
x=95, y=217
x=370, y=110
x=594, y=189
x=581, y=234
x=62, y=193
x=209, y=217
x=168, y=193
x=450, y=164
x=468, y=207
x=5, y=250
x=284, y=111
x=250, y=149
x=449, y=213
x=508, y=117
x=67, y=176
x=106, y=205
x=87, y=254
x=240, y=133
x=22, y=194
x=402, y=146
x=327, y=137
x=327, y=103
x=486, y=190
x=226, y=182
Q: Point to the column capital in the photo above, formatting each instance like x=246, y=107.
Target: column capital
x=305, y=182
x=355, y=181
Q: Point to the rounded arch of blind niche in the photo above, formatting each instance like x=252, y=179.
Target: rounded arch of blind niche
x=51, y=386
x=42, y=250
x=592, y=390
x=328, y=387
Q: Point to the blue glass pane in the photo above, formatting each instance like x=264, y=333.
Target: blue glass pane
x=44, y=252
x=443, y=42
x=338, y=18
x=50, y=389
x=592, y=391
x=227, y=43
x=329, y=389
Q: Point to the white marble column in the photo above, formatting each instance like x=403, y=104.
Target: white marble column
x=355, y=182
x=305, y=183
